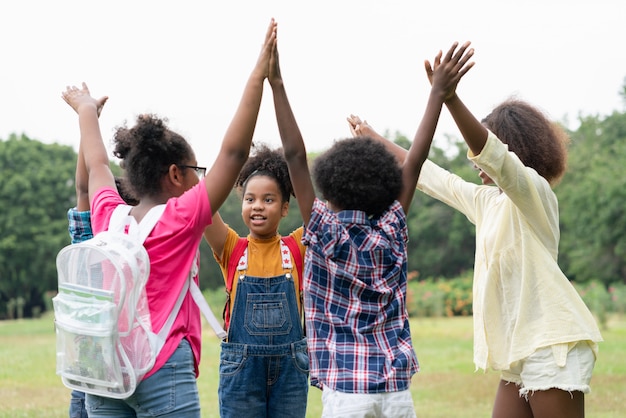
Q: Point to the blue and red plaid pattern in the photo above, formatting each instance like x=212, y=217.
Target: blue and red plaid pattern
x=355, y=278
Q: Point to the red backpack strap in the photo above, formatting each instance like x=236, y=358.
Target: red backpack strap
x=296, y=254
x=240, y=247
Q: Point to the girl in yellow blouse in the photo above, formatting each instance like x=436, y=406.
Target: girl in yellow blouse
x=529, y=321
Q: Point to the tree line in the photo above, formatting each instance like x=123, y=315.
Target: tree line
x=37, y=189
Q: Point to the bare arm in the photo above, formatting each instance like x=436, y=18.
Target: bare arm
x=293, y=144
x=82, y=182
x=82, y=176
x=444, y=78
x=92, y=167
x=235, y=147
x=474, y=133
x=216, y=233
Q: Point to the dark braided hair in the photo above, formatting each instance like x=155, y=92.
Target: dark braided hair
x=147, y=150
x=358, y=174
x=538, y=142
x=264, y=161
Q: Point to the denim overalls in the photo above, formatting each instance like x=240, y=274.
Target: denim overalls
x=264, y=365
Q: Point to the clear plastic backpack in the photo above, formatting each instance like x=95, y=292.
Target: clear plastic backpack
x=104, y=338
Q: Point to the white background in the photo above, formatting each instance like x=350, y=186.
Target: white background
x=189, y=61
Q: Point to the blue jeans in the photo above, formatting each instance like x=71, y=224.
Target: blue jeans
x=77, y=405
x=170, y=392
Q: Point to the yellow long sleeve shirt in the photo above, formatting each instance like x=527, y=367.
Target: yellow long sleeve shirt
x=522, y=299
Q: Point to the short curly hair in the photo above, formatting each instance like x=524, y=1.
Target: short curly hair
x=147, y=150
x=358, y=174
x=538, y=142
x=264, y=161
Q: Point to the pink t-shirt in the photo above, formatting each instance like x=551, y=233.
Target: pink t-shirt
x=172, y=246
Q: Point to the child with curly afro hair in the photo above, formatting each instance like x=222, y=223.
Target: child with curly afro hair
x=358, y=174
x=355, y=280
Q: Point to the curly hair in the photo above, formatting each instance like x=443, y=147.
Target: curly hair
x=358, y=174
x=147, y=150
x=122, y=188
x=538, y=142
x=264, y=161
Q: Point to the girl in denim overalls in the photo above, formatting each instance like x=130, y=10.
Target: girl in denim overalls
x=264, y=363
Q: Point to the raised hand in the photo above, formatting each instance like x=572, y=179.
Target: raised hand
x=275, y=76
x=77, y=97
x=360, y=127
x=263, y=62
x=446, y=72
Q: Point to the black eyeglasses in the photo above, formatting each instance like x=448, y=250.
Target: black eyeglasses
x=200, y=171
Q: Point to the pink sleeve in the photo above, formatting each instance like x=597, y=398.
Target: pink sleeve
x=104, y=202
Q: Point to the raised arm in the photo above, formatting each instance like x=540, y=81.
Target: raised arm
x=92, y=167
x=235, y=147
x=474, y=133
x=444, y=78
x=293, y=144
x=82, y=177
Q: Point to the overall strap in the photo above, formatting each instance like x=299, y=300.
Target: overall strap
x=235, y=256
x=238, y=250
x=297, y=256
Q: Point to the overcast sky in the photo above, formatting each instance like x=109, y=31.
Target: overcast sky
x=189, y=61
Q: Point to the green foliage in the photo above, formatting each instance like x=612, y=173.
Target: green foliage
x=443, y=297
x=441, y=239
x=592, y=196
x=35, y=194
x=603, y=301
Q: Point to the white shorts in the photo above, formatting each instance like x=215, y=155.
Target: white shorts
x=540, y=370
x=365, y=405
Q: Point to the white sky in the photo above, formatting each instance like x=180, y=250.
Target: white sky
x=189, y=60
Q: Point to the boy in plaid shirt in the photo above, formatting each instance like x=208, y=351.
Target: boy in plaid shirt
x=356, y=263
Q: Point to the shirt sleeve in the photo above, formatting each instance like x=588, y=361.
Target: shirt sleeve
x=449, y=188
x=530, y=193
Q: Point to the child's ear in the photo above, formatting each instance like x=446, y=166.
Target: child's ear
x=175, y=175
x=285, y=209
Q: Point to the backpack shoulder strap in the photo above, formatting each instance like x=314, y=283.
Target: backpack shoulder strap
x=120, y=218
x=149, y=221
x=296, y=254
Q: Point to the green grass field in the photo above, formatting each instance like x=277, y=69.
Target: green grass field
x=446, y=386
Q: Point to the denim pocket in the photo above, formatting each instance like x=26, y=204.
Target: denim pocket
x=267, y=314
x=231, y=362
x=301, y=360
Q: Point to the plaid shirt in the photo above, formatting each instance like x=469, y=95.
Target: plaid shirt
x=79, y=225
x=355, y=301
